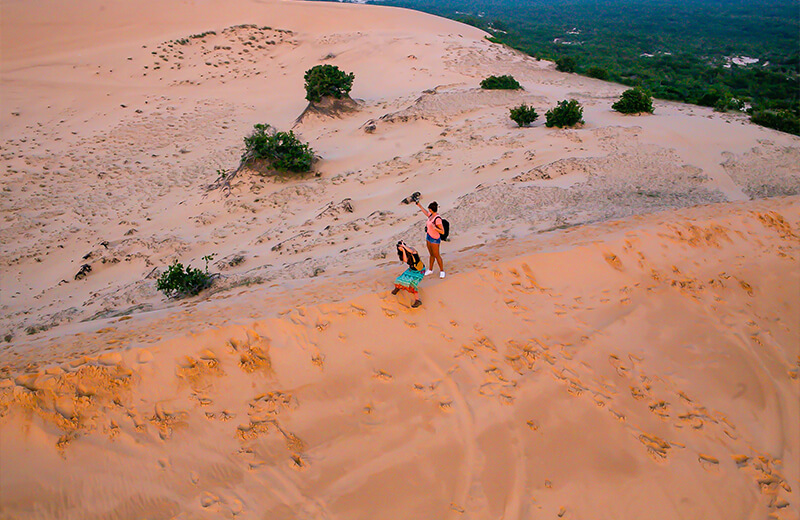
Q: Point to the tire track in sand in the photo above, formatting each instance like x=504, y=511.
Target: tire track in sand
x=466, y=422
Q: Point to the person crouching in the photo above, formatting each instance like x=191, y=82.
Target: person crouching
x=411, y=277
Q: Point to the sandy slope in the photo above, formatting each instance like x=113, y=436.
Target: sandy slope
x=595, y=352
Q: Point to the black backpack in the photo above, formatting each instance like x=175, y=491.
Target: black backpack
x=446, y=226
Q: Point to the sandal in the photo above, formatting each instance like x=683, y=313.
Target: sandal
x=416, y=304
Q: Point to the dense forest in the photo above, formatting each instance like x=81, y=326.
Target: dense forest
x=731, y=55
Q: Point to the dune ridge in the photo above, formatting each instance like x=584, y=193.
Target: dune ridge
x=645, y=340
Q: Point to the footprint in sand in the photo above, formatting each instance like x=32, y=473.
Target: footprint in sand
x=660, y=408
x=657, y=447
x=618, y=415
x=618, y=366
x=359, y=311
x=708, y=462
x=297, y=463
x=322, y=325
x=208, y=499
x=382, y=375
x=614, y=261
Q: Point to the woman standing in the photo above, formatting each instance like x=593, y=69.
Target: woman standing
x=434, y=229
x=411, y=277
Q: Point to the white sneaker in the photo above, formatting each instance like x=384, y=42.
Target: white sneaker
x=441, y=275
x=428, y=272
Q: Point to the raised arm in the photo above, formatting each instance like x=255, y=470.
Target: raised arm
x=403, y=253
x=425, y=211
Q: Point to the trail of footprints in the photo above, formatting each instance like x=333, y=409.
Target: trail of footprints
x=669, y=404
x=95, y=395
x=502, y=368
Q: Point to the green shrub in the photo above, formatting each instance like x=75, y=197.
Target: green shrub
x=566, y=64
x=327, y=80
x=523, y=115
x=283, y=150
x=634, y=101
x=597, y=72
x=566, y=113
x=728, y=102
x=709, y=98
x=500, y=83
x=178, y=281
x=783, y=120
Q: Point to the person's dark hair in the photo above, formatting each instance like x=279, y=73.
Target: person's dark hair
x=433, y=206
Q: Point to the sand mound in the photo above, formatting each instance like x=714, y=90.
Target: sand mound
x=327, y=108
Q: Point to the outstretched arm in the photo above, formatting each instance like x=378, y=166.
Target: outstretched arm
x=425, y=211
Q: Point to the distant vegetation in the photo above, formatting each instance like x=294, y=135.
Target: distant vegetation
x=680, y=51
x=566, y=64
x=597, y=72
x=566, y=113
x=634, y=101
x=283, y=150
x=327, y=81
x=500, y=83
x=178, y=281
x=523, y=115
x=782, y=120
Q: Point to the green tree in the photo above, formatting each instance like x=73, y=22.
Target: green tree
x=500, y=83
x=634, y=101
x=597, y=72
x=283, y=150
x=709, y=98
x=566, y=113
x=566, y=64
x=327, y=80
x=523, y=115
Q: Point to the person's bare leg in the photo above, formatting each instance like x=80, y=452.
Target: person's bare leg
x=435, y=253
x=430, y=262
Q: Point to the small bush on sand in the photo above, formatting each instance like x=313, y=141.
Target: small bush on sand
x=634, y=101
x=566, y=64
x=178, y=281
x=327, y=80
x=283, y=150
x=566, y=113
x=523, y=115
x=500, y=83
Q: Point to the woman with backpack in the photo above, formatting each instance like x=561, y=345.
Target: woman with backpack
x=434, y=229
x=411, y=277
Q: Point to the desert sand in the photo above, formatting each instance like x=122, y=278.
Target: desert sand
x=617, y=337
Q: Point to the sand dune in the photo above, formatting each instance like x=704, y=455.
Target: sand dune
x=617, y=336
